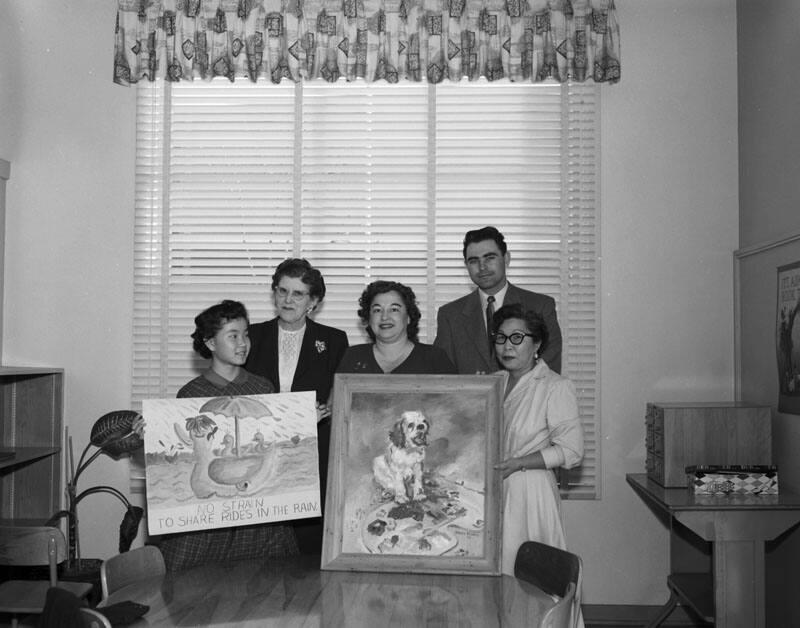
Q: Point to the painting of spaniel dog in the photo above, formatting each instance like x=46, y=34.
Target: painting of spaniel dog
x=398, y=471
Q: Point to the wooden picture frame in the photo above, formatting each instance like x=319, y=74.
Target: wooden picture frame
x=426, y=503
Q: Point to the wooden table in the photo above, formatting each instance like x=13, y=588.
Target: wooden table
x=296, y=593
x=723, y=580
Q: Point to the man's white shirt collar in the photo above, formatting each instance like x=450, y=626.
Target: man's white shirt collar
x=498, y=298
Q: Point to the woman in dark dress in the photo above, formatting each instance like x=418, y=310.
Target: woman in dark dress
x=390, y=313
x=298, y=354
x=221, y=335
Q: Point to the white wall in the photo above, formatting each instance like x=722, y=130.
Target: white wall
x=669, y=226
x=768, y=128
x=68, y=132
x=769, y=142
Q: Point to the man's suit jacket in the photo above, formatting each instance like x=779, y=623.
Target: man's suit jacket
x=320, y=353
x=461, y=330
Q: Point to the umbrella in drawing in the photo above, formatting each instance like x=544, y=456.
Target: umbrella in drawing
x=236, y=474
x=236, y=408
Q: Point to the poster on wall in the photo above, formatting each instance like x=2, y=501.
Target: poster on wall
x=221, y=462
x=788, y=338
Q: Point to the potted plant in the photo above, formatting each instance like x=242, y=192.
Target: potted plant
x=115, y=434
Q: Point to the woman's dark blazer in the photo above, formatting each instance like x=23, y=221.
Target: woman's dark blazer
x=320, y=353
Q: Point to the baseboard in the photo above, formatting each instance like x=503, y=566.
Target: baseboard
x=620, y=615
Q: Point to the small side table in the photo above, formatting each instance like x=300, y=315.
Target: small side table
x=737, y=527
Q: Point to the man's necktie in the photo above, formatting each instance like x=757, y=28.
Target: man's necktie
x=489, y=316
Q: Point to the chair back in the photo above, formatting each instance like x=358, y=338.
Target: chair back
x=32, y=546
x=554, y=571
x=138, y=564
x=93, y=619
x=560, y=615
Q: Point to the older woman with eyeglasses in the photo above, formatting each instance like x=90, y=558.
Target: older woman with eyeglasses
x=541, y=432
x=298, y=354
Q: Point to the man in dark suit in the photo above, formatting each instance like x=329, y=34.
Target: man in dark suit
x=461, y=324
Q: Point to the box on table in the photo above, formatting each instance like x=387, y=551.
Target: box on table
x=738, y=479
x=721, y=434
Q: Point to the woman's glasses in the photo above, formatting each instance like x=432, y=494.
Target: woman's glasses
x=296, y=295
x=516, y=338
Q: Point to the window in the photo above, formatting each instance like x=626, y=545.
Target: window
x=366, y=181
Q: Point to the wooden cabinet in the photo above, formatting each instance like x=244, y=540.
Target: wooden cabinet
x=31, y=409
x=683, y=434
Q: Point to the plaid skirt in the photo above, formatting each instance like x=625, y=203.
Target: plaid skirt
x=188, y=549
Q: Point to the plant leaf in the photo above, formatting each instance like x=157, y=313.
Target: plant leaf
x=116, y=432
x=129, y=527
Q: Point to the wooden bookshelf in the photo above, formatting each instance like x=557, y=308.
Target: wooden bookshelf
x=31, y=411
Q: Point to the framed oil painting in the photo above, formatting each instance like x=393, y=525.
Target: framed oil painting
x=229, y=461
x=411, y=484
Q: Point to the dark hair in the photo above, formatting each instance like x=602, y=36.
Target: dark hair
x=409, y=300
x=487, y=233
x=533, y=322
x=299, y=268
x=208, y=322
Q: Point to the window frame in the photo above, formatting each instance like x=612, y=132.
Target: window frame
x=155, y=310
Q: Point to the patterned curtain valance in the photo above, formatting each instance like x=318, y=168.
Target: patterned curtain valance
x=394, y=40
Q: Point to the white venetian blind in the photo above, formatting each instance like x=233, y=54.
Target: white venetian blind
x=367, y=181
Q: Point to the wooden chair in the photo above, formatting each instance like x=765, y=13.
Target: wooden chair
x=62, y=609
x=556, y=572
x=129, y=567
x=28, y=546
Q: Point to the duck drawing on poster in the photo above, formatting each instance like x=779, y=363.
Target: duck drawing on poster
x=228, y=461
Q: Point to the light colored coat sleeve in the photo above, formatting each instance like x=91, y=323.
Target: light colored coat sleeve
x=564, y=424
